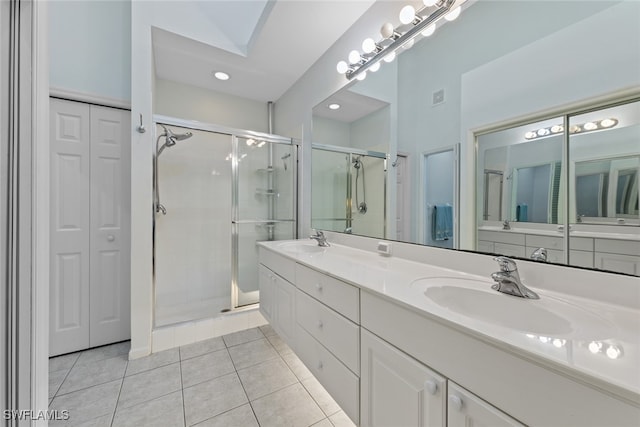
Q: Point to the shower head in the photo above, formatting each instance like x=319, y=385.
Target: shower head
x=356, y=162
x=172, y=138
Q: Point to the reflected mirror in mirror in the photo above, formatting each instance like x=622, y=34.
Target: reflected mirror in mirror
x=434, y=91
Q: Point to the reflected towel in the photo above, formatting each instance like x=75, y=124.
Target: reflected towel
x=522, y=212
x=442, y=222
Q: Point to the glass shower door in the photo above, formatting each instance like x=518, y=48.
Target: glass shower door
x=192, y=237
x=265, y=206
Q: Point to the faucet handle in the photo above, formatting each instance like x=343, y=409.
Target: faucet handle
x=506, y=264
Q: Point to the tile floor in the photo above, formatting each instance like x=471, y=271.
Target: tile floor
x=248, y=378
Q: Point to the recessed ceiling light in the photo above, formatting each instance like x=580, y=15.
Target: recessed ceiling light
x=334, y=106
x=220, y=75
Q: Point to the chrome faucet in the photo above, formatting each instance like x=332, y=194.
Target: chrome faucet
x=506, y=225
x=540, y=254
x=321, y=238
x=508, y=279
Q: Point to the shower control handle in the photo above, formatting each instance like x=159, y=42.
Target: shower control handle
x=111, y=237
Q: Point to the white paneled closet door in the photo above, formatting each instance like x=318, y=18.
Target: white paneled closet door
x=109, y=291
x=90, y=205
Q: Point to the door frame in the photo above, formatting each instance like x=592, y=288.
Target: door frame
x=456, y=192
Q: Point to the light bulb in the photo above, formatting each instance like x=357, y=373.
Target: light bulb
x=362, y=76
x=558, y=343
x=613, y=352
x=590, y=126
x=354, y=57
x=407, y=14
x=390, y=57
x=368, y=45
x=408, y=44
x=607, y=123
x=375, y=67
x=557, y=128
x=530, y=135
x=594, y=347
x=429, y=3
x=544, y=339
x=575, y=129
x=250, y=142
x=429, y=30
x=261, y=144
x=543, y=132
x=451, y=16
x=221, y=75
x=387, y=30
x=342, y=67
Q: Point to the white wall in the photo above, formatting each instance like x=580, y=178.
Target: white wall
x=90, y=48
x=194, y=103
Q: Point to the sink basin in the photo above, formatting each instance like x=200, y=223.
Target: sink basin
x=302, y=247
x=548, y=316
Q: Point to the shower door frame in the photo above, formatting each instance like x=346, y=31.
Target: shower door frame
x=349, y=197
x=234, y=134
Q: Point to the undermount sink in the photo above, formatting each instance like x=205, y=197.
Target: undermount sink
x=548, y=316
x=310, y=247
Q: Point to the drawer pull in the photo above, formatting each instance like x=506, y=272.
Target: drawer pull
x=320, y=324
x=319, y=287
x=320, y=366
x=431, y=386
x=455, y=402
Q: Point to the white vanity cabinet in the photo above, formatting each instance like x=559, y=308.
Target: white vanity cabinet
x=277, y=295
x=328, y=338
x=466, y=409
x=397, y=390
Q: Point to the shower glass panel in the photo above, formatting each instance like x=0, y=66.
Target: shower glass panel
x=266, y=180
x=193, y=261
x=348, y=191
x=330, y=201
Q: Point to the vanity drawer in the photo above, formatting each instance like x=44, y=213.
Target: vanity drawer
x=622, y=247
x=283, y=266
x=547, y=242
x=581, y=243
x=342, y=384
x=340, y=296
x=337, y=333
x=509, y=250
x=581, y=258
x=502, y=237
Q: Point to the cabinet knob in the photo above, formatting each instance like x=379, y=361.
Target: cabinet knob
x=111, y=237
x=320, y=324
x=431, y=386
x=455, y=402
x=319, y=287
x=320, y=366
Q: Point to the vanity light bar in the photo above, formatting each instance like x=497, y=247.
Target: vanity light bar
x=582, y=128
x=393, y=39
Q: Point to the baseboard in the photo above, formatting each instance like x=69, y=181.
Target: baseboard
x=136, y=353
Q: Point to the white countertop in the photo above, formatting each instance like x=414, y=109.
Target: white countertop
x=565, y=349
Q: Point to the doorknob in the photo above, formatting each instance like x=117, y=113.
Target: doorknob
x=111, y=237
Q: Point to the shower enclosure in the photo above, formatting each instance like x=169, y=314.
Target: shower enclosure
x=348, y=190
x=217, y=191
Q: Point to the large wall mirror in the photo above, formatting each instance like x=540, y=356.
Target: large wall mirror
x=554, y=190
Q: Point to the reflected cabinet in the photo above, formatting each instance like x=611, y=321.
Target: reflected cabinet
x=569, y=184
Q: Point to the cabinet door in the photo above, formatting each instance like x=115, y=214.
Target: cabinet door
x=266, y=283
x=466, y=409
x=396, y=390
x=285, y=321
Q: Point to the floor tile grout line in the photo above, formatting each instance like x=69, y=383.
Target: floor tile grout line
x=316, y=400
x=65, y=377
x=115, y=409
x=245, y=392
x=184, y=409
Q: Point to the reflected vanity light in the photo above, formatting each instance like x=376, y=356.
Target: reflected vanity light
x=413, y=23
x=221, y=75
x=612, y=351
x=556, y=342
x=585, y=127
x=333, y=106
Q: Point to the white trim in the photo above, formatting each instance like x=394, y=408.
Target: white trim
x=40, y=212
x=90, y=98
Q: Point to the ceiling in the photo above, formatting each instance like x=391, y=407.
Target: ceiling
x=265, y=45
x=353, y=106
